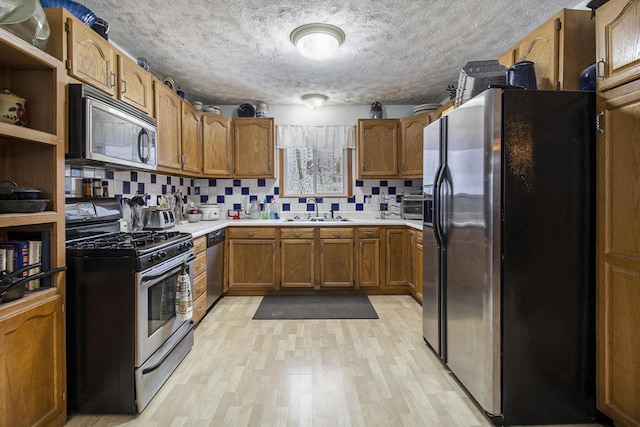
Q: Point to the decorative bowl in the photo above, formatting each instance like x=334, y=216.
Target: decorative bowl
x=194, y=217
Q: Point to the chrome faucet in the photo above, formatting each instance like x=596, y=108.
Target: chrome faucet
x=311, y=199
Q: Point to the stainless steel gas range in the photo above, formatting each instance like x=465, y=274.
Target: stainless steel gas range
x=123, y=338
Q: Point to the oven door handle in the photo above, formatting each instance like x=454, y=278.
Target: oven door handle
x=161, y=361
x=167, y=273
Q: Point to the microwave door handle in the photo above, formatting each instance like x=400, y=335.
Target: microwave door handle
x=144, y=146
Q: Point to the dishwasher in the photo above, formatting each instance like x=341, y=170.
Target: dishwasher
x=215, y=266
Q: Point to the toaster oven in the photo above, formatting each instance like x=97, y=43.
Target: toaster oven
x=411, y=207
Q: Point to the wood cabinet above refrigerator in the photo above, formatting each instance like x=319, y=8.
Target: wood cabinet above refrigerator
x=561, y=48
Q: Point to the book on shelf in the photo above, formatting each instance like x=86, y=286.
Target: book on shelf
x=3, y=259
x=38, y=251
x=17, y=254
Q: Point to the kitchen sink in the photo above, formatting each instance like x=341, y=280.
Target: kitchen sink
x=317, y=219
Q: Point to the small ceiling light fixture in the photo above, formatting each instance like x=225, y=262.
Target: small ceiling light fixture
x=317, y=41
x=314, y=100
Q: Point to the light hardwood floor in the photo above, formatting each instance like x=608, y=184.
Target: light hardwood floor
x=244, y=372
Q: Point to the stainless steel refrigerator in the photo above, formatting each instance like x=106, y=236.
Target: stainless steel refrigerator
x=509, y=251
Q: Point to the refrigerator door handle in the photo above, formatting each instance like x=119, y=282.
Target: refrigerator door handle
x=444, y=197
x=437, y=206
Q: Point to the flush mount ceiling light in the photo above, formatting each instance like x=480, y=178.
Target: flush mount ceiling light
x=317, y=41
x=314, y=100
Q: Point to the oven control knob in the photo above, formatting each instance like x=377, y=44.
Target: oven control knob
x=155, y=257
x=162, y=254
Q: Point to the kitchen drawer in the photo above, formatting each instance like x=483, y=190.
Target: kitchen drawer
x=251, y=233
x=336, y=233
x=368, y=232
x=199, y=308
x=200, y=264
x=199, y=244
x=296, y=233
x=199, y=285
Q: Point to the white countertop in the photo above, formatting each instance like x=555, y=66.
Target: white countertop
x=203, y=227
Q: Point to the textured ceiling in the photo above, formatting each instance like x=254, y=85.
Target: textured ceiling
x=396, y=52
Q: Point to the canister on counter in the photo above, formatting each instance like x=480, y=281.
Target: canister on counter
x=87, y=190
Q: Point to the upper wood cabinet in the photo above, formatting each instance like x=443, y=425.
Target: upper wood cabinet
x=33, y=380
x=168, y=113
x=561, y=48
x=93, y=60
x=254, y=147
x=191, y=130
x=618, y=218
x=377, y=147
x=617, y=43
x=411, y=143
x=217, y=145
x=135, y=85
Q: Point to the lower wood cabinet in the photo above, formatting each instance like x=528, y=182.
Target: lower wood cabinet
x=397, y=261
x=336, y=257
x=264, y=259
x=416, y=251
x=368, y=258
x=32, y=384
x=252, y=258
x=297, y=257
x=199, y=278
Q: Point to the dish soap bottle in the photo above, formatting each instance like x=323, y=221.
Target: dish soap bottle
x=184, y=301
x=265, y=210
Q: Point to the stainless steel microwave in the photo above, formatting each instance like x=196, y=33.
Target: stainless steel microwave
x=412, y=206
x=106, y=131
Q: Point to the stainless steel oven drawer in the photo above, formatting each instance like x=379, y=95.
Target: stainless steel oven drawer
x=155, y=371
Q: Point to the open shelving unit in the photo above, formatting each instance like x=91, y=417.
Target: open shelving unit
x=32, y=347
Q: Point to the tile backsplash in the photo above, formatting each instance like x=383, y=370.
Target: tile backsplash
x=238, y=193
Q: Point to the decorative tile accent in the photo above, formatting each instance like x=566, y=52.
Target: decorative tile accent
x=366, y=197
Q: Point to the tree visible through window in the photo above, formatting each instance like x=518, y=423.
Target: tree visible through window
x=320, y=172
x=315, y=161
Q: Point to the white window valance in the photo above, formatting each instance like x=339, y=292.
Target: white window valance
x=316, y=137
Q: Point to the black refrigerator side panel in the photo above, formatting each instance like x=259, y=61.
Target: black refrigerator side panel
x=100, y=336
x=548, y=249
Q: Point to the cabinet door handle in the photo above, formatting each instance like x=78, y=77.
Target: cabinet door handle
x=114, y=79
x=313, y=247
x=297, y=234
x=337, y=233
x=124, y=86
x=361, y=248
x=251, y=233
x=228, y=165
x=362, y=167
x=321, y=247
x=368, y=233
x=199, y=287
x=598, y=128
x=598, y=73
x=273, y=246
